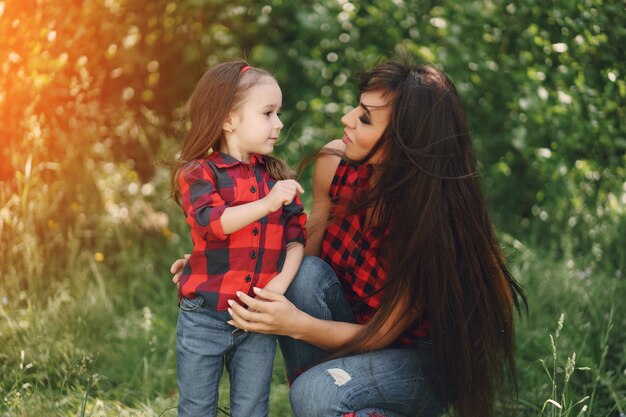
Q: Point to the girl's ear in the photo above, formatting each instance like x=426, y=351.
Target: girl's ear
x=228, y=126
x=231, y=123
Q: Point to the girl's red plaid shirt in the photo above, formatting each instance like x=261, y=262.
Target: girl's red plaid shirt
x=220, y=264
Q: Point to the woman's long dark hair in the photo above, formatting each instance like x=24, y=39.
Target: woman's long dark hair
x=440, y=250
x=220, y=90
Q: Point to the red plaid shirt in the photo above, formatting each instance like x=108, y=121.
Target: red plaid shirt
x=353, y=252
x=220, y=264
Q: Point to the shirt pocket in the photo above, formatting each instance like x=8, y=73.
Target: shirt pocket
x=226, y=189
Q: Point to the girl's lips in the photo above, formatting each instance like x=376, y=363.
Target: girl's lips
x=345, y=139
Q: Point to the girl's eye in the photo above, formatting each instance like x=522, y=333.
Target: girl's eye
x=364, y=119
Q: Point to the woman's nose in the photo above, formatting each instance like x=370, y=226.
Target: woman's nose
x=348, y=119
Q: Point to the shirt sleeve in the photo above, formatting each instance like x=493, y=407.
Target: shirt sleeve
x=295, y=221
x=202, y=204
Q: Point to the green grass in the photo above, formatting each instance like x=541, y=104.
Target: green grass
x=571, y=349
x=88, y=318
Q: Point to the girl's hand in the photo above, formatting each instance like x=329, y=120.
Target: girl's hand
x=267, y=313
x=177, y=268
x=282, y=193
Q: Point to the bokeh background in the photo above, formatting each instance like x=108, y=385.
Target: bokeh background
x=91, y=93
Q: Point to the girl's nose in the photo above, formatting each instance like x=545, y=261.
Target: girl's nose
x=278, y=125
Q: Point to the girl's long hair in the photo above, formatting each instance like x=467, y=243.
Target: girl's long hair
x=221, y=89
x=440, y=247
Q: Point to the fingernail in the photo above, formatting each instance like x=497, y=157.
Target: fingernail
x=230, y=302
x=256, y=289
x=232, y=323
x=230, y=311
x=238, y=294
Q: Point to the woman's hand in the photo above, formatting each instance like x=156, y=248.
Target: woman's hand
x=272, y=313
x=268, y=313
x=177, y=268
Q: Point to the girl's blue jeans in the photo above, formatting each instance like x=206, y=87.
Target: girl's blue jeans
x=381, y=383
x=205, y=343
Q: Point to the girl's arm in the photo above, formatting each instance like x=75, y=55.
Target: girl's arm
x=213, y=218
x=238, y=217
x=323, y=173
x=293, y=258
x=210, y=215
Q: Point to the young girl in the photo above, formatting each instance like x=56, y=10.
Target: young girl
x=247, y=227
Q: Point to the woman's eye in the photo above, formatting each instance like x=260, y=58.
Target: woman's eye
x=364, y=119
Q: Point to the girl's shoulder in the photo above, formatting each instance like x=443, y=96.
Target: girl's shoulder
x=194, y=168
x=195, y=164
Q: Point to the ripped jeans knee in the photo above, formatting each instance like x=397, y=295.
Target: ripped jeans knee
x=384, y=383
x=339, y=375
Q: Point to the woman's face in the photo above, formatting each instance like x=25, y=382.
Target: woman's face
x=365, y=124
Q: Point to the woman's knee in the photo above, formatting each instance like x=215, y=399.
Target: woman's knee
x=317, y=291
x=314, y=274
x=309, y=395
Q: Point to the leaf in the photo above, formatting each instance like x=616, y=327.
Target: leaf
x=554, y=403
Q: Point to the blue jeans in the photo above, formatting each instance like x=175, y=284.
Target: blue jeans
x=205, y=343
x=386, y=382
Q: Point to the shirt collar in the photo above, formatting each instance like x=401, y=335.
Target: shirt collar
x=223, y=160
x=363, y=170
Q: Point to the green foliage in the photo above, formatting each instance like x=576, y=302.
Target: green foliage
x=582, y=363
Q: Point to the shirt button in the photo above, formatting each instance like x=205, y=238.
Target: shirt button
x=253, y=254
x=255, y=231
x=248, y=278
x=253, y=189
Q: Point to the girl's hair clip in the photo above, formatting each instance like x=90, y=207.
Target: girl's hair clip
x=244, y=69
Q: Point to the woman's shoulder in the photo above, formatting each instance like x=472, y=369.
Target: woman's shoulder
x=326, y=164
x=330, y=156
x=335, y=145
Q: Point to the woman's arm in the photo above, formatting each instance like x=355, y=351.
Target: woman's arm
x=272, y=313
x=323, y=173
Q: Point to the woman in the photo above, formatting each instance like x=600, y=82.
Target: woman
x=411, y=299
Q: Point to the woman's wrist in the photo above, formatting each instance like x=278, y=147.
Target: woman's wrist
x=300, y=323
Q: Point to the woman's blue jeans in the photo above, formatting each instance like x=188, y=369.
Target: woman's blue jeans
x=381, y=383
x=205, y=343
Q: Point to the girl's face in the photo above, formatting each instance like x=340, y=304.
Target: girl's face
x=254, y=126
x=365, y=125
